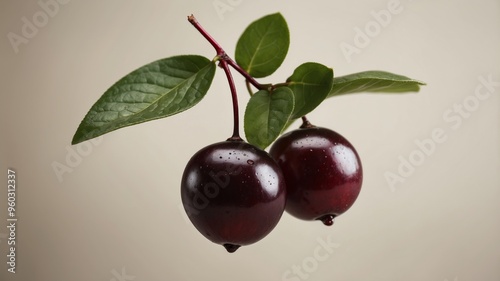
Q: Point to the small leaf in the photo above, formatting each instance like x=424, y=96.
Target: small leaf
x=263, y=46
x=267, y=114
x=375, y=82
x=159, y=89
x=310, y=82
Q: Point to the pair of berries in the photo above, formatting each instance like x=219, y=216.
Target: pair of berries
x=235, y=193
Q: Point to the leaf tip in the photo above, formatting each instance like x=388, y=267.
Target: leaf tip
x=76, y=139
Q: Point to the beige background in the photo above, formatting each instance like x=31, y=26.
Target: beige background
x=117, y=215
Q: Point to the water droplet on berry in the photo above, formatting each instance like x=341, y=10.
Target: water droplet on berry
x=231, y=248
x=327, y=219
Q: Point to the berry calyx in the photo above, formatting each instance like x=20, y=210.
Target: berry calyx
x=322, y=171
x=233, y=193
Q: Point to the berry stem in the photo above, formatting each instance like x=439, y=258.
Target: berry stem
x=236, y=129
x=222, y=54
x=306, y=123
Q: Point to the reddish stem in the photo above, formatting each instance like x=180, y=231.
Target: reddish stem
x=210, y=39
x=222, y=54
x=306, y=123
x=224, y=62
x=236, y=128
x=245, y=74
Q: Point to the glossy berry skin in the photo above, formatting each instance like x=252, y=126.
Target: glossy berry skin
x=322, y=171
x=233, y=193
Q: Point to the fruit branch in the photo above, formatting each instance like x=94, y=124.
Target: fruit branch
x=247, y=76
x=223, y=55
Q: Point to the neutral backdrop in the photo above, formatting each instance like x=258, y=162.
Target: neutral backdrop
x=114, y=213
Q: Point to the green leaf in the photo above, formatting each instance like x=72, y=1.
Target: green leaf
x=263, y=46
x=375, y=82
x=156, y=90
x=266, y=115
x=310, y=82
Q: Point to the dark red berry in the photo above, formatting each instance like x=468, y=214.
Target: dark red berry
x=322, y=171
x=233, y=193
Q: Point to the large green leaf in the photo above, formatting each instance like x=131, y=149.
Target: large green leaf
x=156, y=90
x=310, y=82
x=263, y=46
x=267, y=114
x=375, y=82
